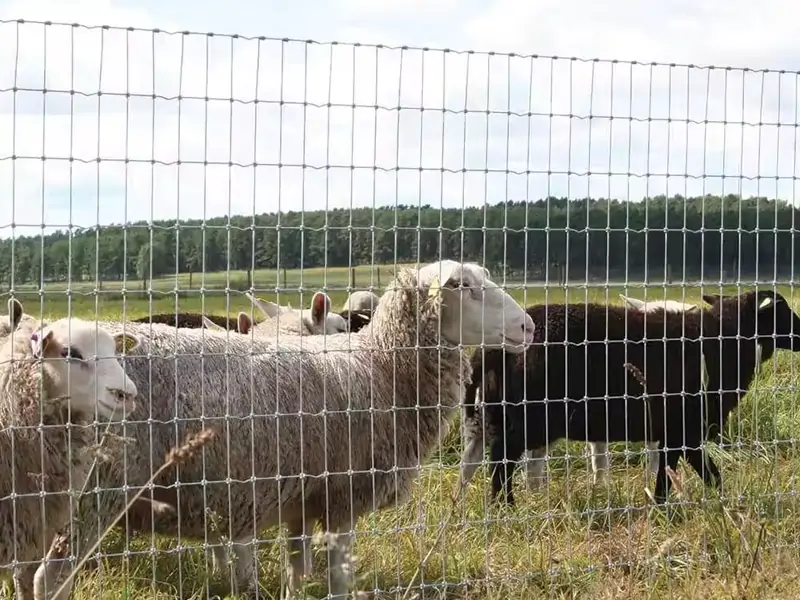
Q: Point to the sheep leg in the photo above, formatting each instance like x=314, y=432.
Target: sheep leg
x=473, y=452
x=705, y=466
x=503, y=473
x=23, y=582
x=157, y=514
x=340, y=568
x=652, y=459
x=94, y=516
x=245, y=576
x=299, y=566
x=534, y=468
x=53, y=570
x=670, y=459
x=599, y=460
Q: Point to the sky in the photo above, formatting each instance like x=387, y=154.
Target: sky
x=291, y=125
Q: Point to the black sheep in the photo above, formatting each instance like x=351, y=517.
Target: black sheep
x=356, y=319
x=599, y=399
x=188, y=320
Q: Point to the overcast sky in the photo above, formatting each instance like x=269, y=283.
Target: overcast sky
x=486, y=132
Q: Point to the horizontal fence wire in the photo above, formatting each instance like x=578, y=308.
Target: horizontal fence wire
x=311, y=305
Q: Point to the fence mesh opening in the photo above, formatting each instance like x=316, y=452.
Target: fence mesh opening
x=267, y=296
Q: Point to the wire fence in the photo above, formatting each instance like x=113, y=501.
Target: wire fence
x=272, y=186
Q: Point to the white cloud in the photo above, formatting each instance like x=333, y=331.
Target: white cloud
x=291, y=124
x=393, y=8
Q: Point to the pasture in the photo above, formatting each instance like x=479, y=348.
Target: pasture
x=568, y=541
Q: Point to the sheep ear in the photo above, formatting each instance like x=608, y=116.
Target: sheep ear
x=437, y=275
x=766, y=302
x=43, y=345
x=125, y=342
x=209, y=324
x=633, y=302
x=14, y=312
x=269, y=309
x=435, y=288
x=320, y=306
x=243, y=323
x=711, y=299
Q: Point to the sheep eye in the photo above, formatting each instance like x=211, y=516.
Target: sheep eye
x=71, y=352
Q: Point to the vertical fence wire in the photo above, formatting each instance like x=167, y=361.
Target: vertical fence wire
x=303, y=173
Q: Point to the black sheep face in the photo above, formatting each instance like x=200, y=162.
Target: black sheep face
x=356, y=319
x=765, y=315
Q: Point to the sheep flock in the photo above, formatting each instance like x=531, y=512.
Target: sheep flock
x=323, y=417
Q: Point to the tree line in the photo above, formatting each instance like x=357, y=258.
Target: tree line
x=596, y=239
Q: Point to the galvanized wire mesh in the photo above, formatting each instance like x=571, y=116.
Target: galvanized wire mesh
x=152, y=173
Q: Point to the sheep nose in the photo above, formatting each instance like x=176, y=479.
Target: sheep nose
x=125, y=397
x=528, y=328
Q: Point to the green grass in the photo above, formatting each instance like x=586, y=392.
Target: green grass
x=570, y=540
x=216, y=293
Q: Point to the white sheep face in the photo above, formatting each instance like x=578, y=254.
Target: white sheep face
x=87, y=367
x=475, y=309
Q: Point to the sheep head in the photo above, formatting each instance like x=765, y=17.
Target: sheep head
x=765, y=315
x=83, y=358
x=356, y=319
x=317, y=320
x=322, y=319
x=474, y=310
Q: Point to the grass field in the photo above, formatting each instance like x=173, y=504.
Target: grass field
x=569, y=541
x=214, y=293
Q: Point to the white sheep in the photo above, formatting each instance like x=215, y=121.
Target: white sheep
x=364, y=430
x=287, y=320
x=361, y=300
x=65, y=372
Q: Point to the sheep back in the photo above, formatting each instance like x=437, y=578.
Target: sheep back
x=187, y=320
x=291, y=413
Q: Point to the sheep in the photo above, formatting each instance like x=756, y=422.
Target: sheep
x=16, y=315
x=50, y=458
x=361, y=300
x=394, y=422
x=191, y=320
x=599, y=450
x=672, y=367
x=327, y=323
x=316, y=320
x=356, y=319
x=285, y=319
x=668, y=305
x=242, y=324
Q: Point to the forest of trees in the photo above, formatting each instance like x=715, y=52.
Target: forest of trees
x=673, y=238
